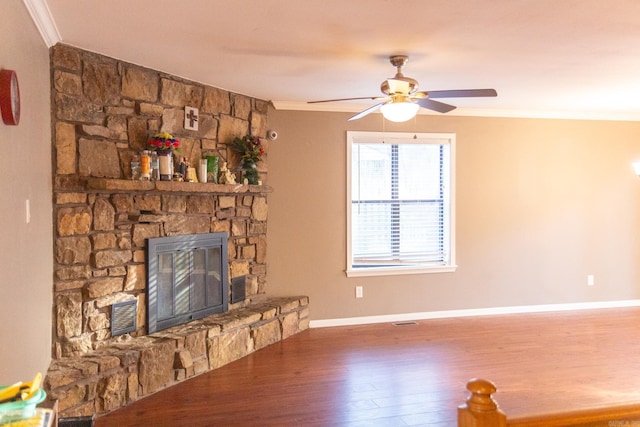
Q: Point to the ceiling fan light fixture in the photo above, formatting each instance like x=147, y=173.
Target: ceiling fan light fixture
x=399, y=111
x=402, y=100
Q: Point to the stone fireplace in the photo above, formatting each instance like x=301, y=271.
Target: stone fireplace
x=103, y=111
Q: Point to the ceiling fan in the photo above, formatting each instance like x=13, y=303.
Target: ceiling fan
x=402, y=101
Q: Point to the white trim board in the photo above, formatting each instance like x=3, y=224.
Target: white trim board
x=403, y=317
x=42, y=18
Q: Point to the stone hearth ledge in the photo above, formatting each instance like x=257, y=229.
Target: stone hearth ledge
x=115, y=376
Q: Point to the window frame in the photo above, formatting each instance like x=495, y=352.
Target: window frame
x=400, y=137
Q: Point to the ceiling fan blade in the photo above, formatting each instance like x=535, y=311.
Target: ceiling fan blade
x=345, y=99
x=460, y=93
x=438, y=106
x=363, y=113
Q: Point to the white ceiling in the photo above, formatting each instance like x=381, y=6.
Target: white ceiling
x=546, y=58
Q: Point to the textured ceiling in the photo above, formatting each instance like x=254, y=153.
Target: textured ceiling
x=546, y=58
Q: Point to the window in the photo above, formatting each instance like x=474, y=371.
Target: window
x=400, y=194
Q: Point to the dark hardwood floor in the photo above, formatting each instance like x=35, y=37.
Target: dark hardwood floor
x=412, y=375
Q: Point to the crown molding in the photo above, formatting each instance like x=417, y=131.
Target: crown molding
x=41, y=15
x=347, y=107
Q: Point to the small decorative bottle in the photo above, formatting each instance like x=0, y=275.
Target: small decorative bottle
x=135, y=169
x=155, y=166
x=145, y=166
x=182, y=168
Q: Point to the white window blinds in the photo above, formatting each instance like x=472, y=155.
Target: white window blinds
x=400, y=200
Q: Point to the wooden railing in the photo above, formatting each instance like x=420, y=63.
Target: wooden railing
x=481, y=410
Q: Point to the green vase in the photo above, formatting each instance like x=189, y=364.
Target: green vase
x=250, y=172
x=212, y=169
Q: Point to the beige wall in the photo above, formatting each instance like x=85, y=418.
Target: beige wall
x=540, y=205
x=25, y=173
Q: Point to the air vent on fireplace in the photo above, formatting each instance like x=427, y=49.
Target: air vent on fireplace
x=238, y=289
x=123, y=317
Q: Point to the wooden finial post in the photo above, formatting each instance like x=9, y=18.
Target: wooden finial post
x=480, y=410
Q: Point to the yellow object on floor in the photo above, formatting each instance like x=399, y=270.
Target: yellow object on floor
x=42, y=418
x=20, y=390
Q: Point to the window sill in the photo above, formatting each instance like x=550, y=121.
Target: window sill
x=395, y=271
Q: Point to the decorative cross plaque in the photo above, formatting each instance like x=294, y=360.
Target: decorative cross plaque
x=190, y=118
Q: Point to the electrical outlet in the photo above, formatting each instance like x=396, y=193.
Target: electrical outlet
x=591, y=280
x=359, y=292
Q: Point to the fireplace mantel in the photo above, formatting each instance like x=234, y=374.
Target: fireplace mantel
x=125, y=185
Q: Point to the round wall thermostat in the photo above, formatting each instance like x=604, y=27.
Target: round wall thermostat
x=9, y=97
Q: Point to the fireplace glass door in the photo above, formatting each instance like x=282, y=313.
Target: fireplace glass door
x=187, y=279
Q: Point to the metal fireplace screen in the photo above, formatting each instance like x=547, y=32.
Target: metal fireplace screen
x=186, y=279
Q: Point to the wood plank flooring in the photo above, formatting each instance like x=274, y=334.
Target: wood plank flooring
x=412, y=375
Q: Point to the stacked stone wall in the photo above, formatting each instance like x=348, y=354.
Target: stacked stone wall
x=103, y=112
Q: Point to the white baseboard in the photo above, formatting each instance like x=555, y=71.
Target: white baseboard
x=403, y=317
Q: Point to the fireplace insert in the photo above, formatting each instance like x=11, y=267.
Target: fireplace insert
x=186, y=279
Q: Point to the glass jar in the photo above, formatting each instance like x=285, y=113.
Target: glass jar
x=145, y=165
x=155, y=166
